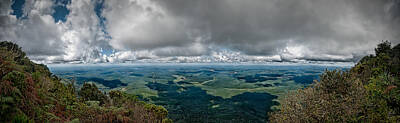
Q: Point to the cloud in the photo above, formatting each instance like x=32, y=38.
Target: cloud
x=201, y=30
x=5, y=7
x=83, y=34
x=45, y=40
x=36, y=33
x=258, y=27
x=142, y=24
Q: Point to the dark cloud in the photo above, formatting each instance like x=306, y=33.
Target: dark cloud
x=141, y=25
x=202, y=30
x=337, y=27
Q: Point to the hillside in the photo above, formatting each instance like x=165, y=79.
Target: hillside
x=30, y=93
x=368, y=92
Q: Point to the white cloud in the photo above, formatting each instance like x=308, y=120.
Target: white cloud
x=83, y=35
x=36, y=33
x=79, y=39
x=201, y=31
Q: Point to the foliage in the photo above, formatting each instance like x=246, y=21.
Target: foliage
x=30, y=93
x=368, y=92
x=336, y=98
x=90, y=92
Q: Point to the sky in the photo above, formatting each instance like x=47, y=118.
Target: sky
x=125, y=31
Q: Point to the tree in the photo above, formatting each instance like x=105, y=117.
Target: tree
x=384, y=47
x=90, y=92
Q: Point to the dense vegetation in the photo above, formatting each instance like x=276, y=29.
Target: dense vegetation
x=368, y=92
x=30, y=93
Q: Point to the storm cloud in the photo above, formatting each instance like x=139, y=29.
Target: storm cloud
x=205, y=30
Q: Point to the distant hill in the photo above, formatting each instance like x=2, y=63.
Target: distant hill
x=29, y=92
x=368, y=92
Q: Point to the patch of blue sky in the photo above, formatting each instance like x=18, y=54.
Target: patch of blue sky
x=60, y=10
x=107, y=51
x=98, y=10
x=17, y=8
